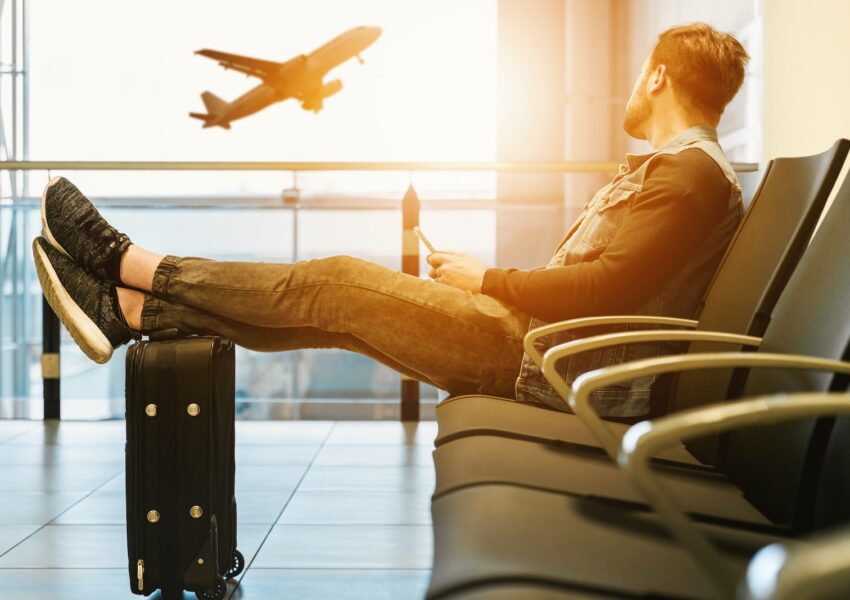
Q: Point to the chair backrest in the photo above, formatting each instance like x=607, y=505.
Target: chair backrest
x=760, y=259
x=770, y=240
x=832, y=501
x=811, y=317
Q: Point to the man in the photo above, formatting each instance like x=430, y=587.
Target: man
x=647, y=243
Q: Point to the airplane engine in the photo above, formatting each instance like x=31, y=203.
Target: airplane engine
x=315, y=103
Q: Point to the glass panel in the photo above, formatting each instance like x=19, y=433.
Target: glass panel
x=269, y=385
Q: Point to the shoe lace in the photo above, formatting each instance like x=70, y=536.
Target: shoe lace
x=99, y=229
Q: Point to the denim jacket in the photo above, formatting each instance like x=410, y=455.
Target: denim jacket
x=594, y=229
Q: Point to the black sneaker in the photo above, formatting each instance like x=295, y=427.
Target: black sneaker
x=87, y=306
x=72, y=225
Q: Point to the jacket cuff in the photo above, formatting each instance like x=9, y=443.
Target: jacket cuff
x=492, y=282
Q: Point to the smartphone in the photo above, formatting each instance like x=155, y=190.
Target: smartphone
x=422, y=237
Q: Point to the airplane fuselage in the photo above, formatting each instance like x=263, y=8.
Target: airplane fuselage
x=301, y=78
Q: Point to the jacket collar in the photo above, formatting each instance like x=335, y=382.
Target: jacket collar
x=686, y=137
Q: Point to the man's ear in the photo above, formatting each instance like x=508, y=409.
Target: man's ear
x=657, y=79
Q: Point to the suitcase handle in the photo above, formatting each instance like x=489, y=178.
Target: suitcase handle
x=166, y=334
x=174, y=334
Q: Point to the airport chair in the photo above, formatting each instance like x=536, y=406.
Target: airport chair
x=820, y=283
x=739, y=300
x=543, y=545
x=793, y=571
x=781, y=571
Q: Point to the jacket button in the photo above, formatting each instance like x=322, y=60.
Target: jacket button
x=196, y=512
x=153, y=516
x=150, y=410
x=193, y=410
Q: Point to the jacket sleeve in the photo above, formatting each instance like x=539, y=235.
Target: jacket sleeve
x=682, y=199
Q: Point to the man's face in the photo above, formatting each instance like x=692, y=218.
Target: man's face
x=638, y=109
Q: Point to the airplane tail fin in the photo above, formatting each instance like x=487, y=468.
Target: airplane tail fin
x=215, y=105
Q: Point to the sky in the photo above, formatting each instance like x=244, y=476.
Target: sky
x=116, y=81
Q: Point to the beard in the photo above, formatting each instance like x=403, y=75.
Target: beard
x=638, y=111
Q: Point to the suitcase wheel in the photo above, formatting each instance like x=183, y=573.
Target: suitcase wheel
x=236, y=565
x=218, y=593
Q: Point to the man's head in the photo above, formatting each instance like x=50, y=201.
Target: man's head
x=694, y=70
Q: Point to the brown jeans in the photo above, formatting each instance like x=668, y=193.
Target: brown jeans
x=455, y=340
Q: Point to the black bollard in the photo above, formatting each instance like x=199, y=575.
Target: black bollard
x=50, y=329
x=409, y=265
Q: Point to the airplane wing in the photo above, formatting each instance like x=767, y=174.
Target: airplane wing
x=244, y=64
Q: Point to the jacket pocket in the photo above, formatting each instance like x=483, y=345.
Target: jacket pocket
x=604, y=220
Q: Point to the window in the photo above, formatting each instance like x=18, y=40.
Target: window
x=103, y=90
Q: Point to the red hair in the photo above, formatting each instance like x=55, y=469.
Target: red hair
x=706, y=66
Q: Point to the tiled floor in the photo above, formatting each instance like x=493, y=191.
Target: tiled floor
x=326, y=510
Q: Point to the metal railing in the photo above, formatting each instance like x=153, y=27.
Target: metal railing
x=296, y=166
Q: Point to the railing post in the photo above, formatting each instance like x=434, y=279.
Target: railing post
x=409, y=265
x=50, y=329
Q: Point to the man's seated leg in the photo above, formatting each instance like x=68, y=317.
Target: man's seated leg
x=111, y=290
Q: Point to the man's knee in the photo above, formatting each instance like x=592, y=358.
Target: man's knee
x=343, y=267
x=342, y=260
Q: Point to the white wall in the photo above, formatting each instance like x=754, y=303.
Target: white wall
x=806, y=101
x=806, y=104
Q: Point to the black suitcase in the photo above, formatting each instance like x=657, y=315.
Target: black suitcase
x=181, y=504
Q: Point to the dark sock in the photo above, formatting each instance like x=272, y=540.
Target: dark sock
x=113, y=269
x=116, y=308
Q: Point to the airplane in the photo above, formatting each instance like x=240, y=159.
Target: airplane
x=300, y=78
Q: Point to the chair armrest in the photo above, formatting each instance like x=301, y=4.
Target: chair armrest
x=642, y=440
x=561, y=351
x=544, y=330
x=791, y=571
x=646, y=438
x=593, y=422
x=586, y=383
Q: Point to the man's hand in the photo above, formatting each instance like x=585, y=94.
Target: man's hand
x=457, y=270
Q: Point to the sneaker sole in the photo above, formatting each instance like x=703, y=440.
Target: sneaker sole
x=83, y=330
x=44, y=227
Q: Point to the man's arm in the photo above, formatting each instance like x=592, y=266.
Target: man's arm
x=683, y=198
